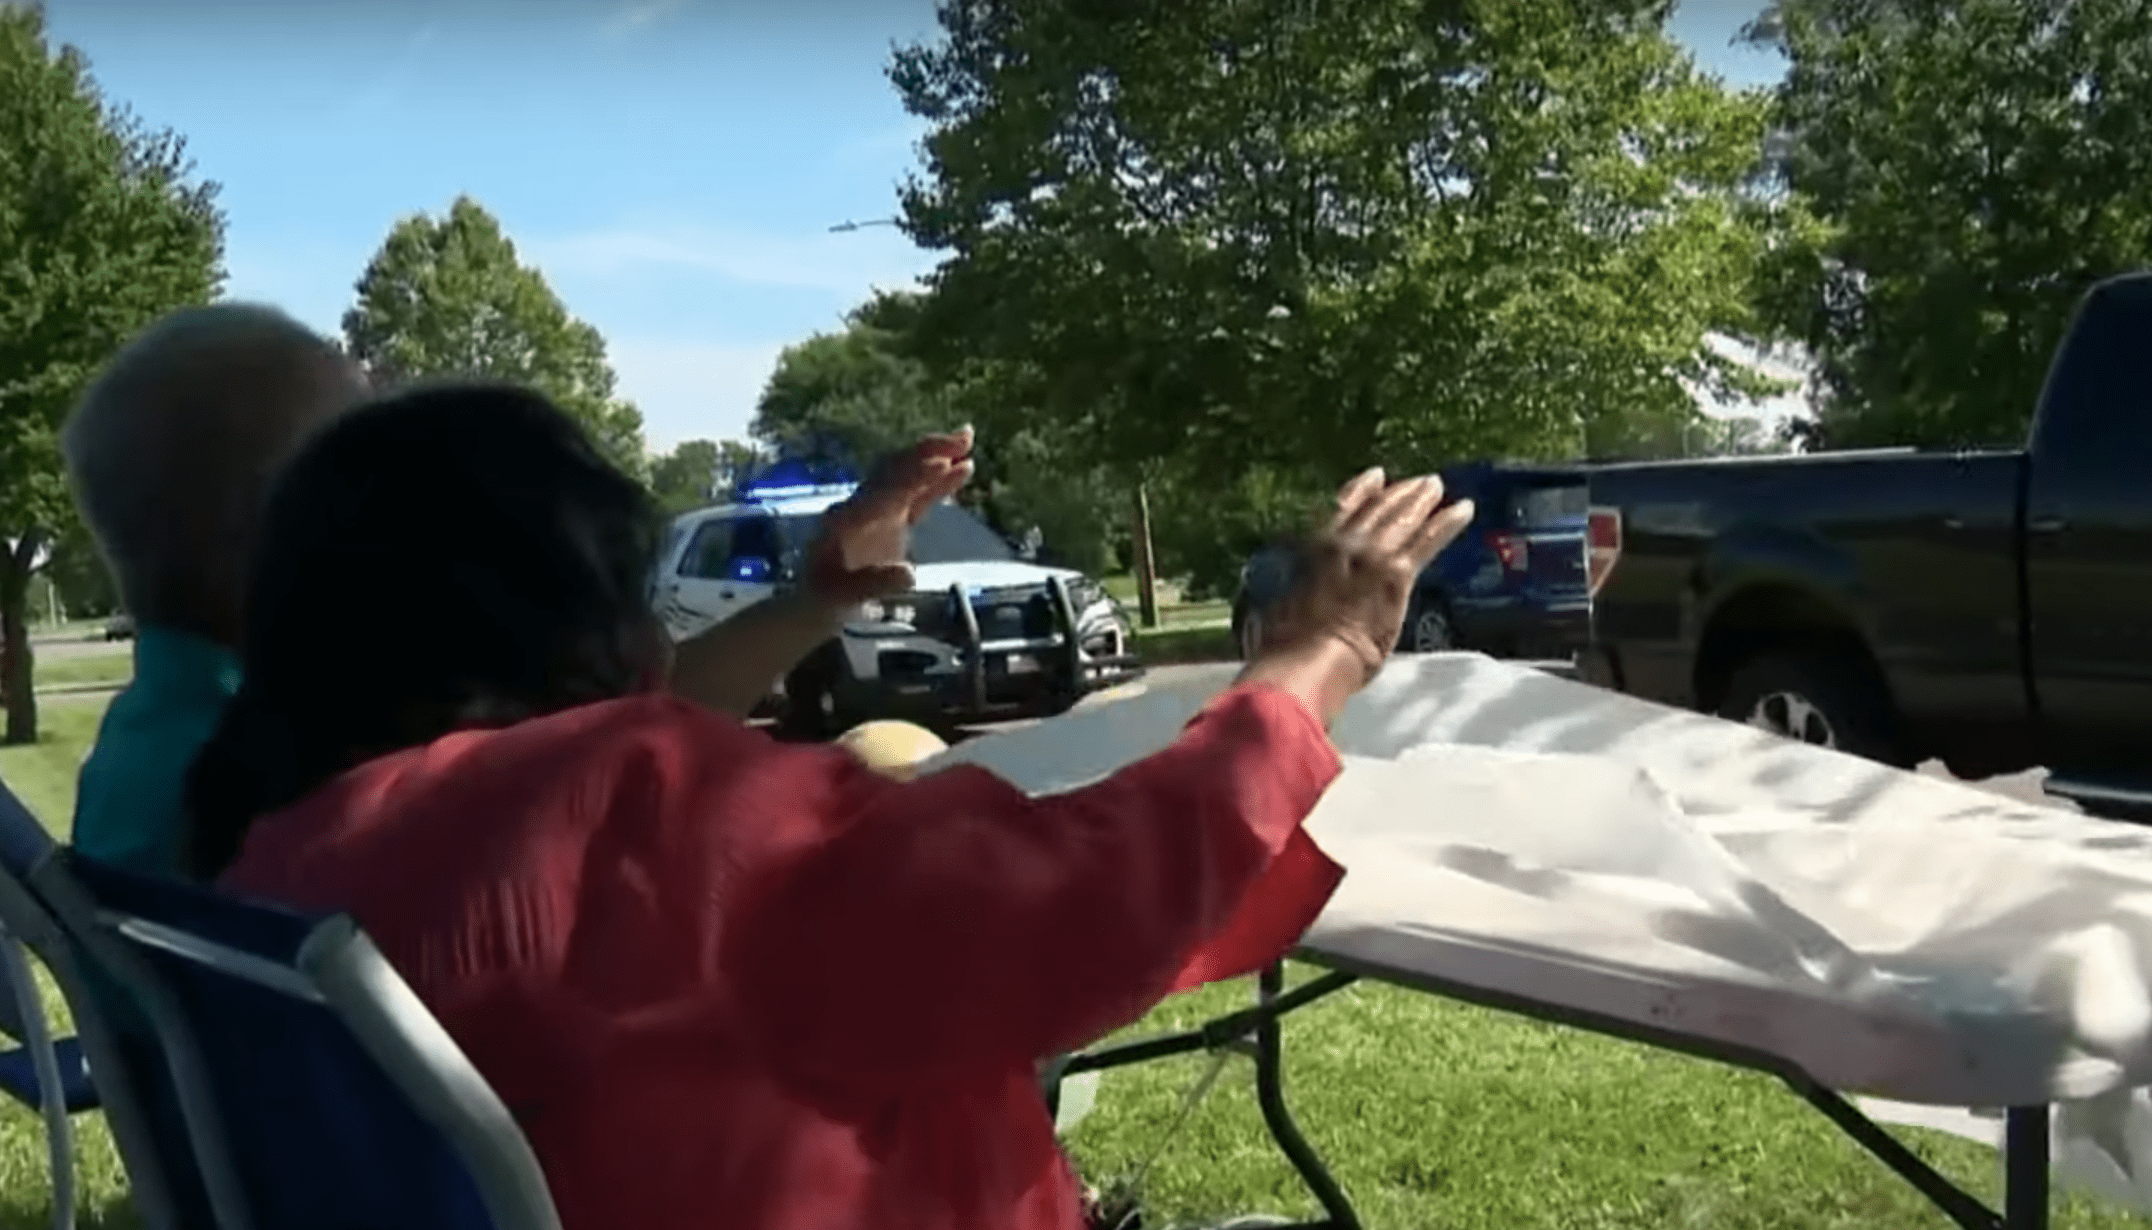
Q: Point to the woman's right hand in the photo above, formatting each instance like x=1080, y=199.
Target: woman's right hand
x=1353, y=581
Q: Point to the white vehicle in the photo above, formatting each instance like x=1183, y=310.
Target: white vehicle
x=983, y=635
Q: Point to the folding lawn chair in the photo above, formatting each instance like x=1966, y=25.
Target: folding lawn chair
x=315, y=1088
x=49, y=1075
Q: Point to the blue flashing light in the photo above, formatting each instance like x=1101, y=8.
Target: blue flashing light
x=793, y=478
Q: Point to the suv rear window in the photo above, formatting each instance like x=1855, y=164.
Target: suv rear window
x=1536, y=507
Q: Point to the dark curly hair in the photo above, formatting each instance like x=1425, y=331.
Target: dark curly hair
x=447, y=557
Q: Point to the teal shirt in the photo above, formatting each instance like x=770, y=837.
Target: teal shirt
x=128, y=805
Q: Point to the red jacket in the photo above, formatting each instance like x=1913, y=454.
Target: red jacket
x=726, y=982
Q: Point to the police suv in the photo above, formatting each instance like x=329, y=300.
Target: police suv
x=984, y=634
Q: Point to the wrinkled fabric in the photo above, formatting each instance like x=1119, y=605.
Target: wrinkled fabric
x=722, y=981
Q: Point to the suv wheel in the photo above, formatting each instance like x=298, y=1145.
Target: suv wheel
x=1427, y=628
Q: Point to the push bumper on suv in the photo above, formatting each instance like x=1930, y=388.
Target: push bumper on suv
x=980, y=669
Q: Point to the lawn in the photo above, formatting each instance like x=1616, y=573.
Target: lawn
x=1437, y=1114
x=43, y=777
x=1432, y=1114
x=1169, y=644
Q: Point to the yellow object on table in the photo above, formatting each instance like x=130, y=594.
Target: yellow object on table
x=891, y=748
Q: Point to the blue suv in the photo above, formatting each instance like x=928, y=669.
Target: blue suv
x=1513, y=585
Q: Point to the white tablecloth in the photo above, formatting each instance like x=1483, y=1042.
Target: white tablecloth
x=1892, y=934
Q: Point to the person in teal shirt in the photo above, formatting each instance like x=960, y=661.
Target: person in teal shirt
x=127, y=806
x=169, y=456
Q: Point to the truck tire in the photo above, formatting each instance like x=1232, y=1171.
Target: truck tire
x=1819, y=699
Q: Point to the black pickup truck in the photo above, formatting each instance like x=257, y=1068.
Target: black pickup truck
x=1990, y=609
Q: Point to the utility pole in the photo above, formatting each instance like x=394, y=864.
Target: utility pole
x=1146, y=570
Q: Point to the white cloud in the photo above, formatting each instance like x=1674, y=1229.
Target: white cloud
x=847, y=263
x=690, y=390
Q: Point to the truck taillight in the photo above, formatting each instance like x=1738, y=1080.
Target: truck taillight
x=1509, y=548
x=1602, y=546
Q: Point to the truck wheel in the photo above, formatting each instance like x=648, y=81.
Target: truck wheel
x=1818, y=700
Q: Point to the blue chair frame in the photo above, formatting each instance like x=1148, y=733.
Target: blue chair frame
x=165, y=942
x=58, y=1070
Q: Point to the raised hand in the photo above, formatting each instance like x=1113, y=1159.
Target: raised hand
x=1353, y=579
x=859, y=553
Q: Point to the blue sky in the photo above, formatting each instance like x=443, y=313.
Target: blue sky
x=673, y=166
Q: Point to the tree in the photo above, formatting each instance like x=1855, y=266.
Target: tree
x=103, y=228
x=1298, y=235
x=736, y=461
x=682, y=479
x=448, y=297
x=862, y=393
x=79, y=576
x=854, y=395
x=1972, y=168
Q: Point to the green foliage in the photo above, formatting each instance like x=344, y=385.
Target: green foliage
x=1082, y=513
x=687, y=477
x=854, y=395
x=103, y=228
x=448, y=296
x=736, y=460
x=682, y=478
x=77, y=572
x=1202, y=533
x=1307, y=234
x=1971, y=169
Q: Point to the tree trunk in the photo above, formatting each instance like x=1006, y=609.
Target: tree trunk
x=1146, y=570
x=15, y=680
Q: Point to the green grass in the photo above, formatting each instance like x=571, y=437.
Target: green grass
x=1171, y=644
x=1437, y=1114
x=83, y=670
x=42, y=775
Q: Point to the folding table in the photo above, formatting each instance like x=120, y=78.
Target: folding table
x=1535, y=845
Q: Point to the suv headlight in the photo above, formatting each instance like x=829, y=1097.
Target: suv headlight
x=1084, y=593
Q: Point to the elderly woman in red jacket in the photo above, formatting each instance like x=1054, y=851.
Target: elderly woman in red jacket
x=723, y=981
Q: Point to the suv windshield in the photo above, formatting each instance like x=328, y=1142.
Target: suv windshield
x=946, y=535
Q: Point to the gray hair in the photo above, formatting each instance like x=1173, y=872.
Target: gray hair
x=171, y=451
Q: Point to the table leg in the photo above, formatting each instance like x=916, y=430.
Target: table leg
x=1270, y=1098
x=1954, y=1202
x=2025, y=1168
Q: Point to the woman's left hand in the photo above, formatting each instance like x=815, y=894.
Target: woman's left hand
x=859, y=553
